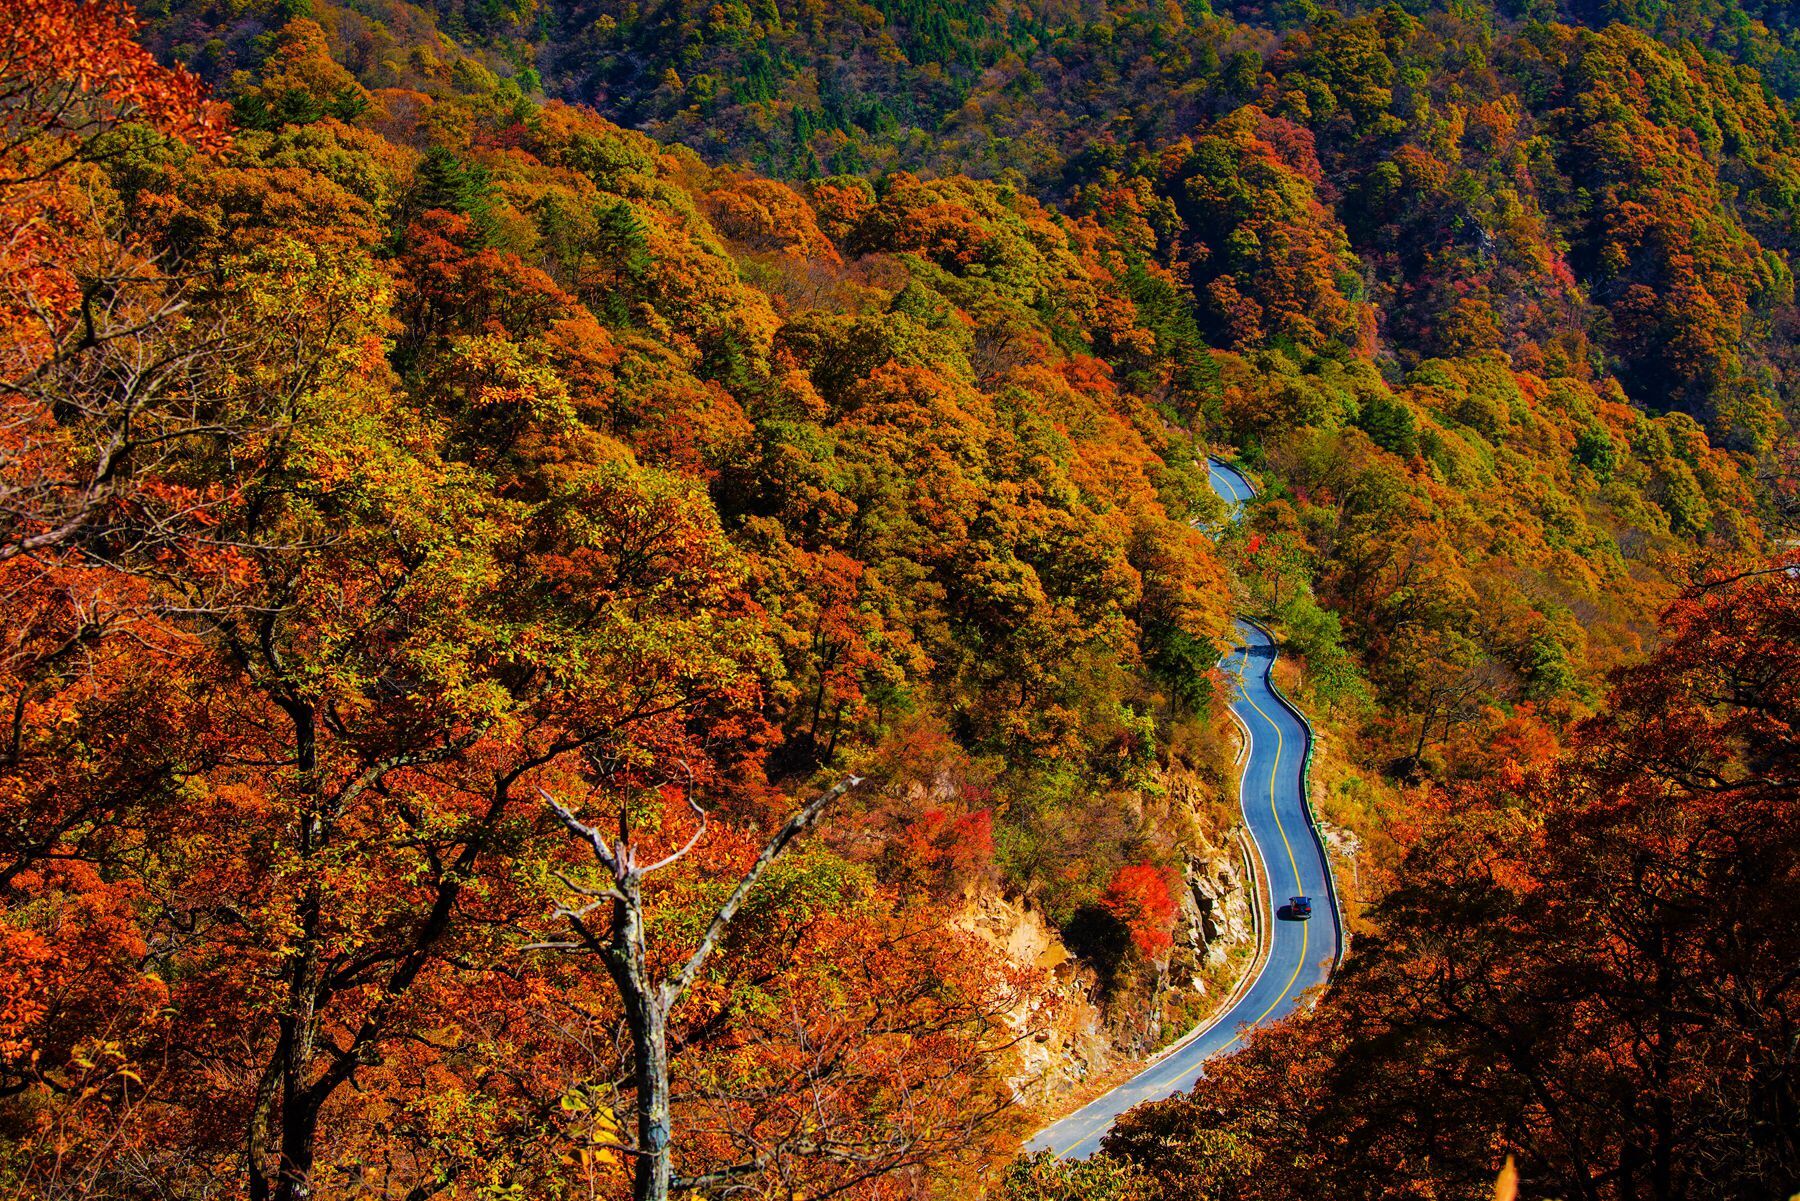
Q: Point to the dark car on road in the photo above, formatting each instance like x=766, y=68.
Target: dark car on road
x=1300, y=908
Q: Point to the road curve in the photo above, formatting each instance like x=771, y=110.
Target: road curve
x=1301, y=952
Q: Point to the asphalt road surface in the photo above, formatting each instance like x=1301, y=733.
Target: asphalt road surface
x=1302, y=952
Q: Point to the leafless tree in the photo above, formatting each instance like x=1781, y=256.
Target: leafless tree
x=621, y=946
x=76, y=427
x=1779, y=473
x=126, y=418
x=99, y=343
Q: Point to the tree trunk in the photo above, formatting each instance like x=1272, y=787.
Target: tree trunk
x=1662, y=1099
x=293, y=1052
x=1424, y=733
x=647, y=1016
x=650, y=1046
x=646, y=1001
x=299, y=1138
x=256, y=1144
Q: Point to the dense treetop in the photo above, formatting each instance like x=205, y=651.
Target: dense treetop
x=675, y=405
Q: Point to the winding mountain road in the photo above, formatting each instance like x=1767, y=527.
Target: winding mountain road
x=1301, y=953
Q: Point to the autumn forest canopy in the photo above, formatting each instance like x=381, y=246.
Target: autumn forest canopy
x=621, y=599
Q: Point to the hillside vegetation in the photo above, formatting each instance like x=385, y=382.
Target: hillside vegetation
x=392, y=440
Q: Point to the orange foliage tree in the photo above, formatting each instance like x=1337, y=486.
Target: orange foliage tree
x=1583, y=963
x=1138, y=897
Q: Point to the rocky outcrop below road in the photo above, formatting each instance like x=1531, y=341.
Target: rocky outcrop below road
x=1094, y=1020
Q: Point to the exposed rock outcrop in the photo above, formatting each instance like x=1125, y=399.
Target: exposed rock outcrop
x=1088, y=1025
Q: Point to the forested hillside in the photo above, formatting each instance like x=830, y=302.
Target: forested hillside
x=1588, y=966
x=452, y=458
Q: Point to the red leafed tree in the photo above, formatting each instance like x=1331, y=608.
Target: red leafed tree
x=80, y=310
x=943, y=846
x=1589, y=965
x=876, y=1031
x=75, y=67
x=1140, y=898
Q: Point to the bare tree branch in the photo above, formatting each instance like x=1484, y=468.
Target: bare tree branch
x=626, y=958
x=678, y=984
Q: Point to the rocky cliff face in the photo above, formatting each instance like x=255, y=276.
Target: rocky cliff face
x=1215, y=938
x=1216, y=914
x=1069, y=1037
x=1092, y=1024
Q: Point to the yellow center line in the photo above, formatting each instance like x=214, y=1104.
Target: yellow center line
x=1293, y=864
